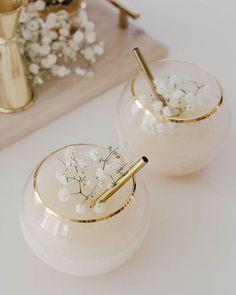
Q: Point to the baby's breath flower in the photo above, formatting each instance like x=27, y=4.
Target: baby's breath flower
x=191, y=108
x=69, y=153
x=80, y=71
x=64, y=194
x=40, y=5
x=95, y=154
x=34, y=68
x=45, y=50
x=90, y=37
x=167, y=112
x=78, y=37
x=100, y=173
x=98, y=49
x=60, y=175
x=92, y=182
x=80, y=209
x=88, y=54
x=99, y=208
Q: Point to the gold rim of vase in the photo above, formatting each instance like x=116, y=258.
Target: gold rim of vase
x=68, y=218
x=163, y=118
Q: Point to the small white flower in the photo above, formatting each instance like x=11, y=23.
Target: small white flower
x=55, y=45
x=60, y=175
x=35, y=47
x=24, y=17
x=83, y=163
x=62, y=71
x=178, y=93
x=33, y=25
x=69, y=153
x=78, y=37
x=90, y=37
x=80, y=209
x=88, y=54
x=92, y=182
x=157, y=106
x=64, y=194
x=95, y=154
x=26, y=34
x=52, y=59
x=167, y=112
x=40, y=5
x=172, y=81
x=116, y=164
x=73, y=45
x=90, y=26
x=38, y=80
x=45, y=64
x=34, y=68
x=191, y=108
x=64, y=32
x=80, y=72
x=99, y=208
x=46, y=40
x=45, y=50
x=53, y=35
x=174, y=101
x=98, y=49
x=189, y=98
x=160, y=86
x=109, y=169
x=100, y=173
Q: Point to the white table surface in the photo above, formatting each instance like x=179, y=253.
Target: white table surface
x=191, y=245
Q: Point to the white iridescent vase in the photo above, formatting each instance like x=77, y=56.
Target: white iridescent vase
x=85, y=244
x=174, y=145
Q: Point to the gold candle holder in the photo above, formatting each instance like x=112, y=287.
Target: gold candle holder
x=122, y=180
x=15, y=93
x=125, y=13
x=147, y=72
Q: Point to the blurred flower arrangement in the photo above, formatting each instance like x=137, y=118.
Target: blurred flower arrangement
x=48, y=41
x=88, y=174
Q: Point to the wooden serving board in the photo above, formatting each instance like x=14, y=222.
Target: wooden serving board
x=60, y=96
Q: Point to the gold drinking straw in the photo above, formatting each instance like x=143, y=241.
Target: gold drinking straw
x=122, y=180
x=149, y=76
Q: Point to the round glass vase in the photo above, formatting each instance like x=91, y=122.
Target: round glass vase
x=174, y=145
x=88, y=244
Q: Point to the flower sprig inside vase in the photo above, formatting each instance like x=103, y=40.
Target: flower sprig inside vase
x=87, y=175
x=180, y=98
x=48, y=42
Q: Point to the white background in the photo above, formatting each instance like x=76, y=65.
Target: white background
x=191, y=245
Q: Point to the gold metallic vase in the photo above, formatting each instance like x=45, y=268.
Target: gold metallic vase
x=15, y=93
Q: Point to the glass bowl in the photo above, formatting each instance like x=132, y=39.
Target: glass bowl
x=82, y=244
x=174, y=145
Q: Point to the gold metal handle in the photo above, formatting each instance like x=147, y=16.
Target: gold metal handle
x=122, y=180
x=124, y=13
x=148, y=74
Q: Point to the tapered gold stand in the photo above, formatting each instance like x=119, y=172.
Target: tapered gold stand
x=15, y=93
